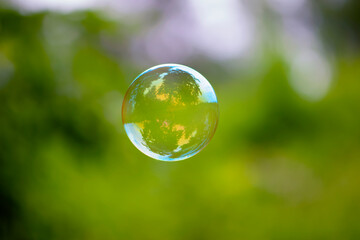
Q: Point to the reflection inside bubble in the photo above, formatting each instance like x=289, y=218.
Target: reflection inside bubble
x=170, y=112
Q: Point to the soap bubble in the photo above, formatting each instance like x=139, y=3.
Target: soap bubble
x=170, y=112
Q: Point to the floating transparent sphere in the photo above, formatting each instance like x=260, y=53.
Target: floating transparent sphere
x=170, y=112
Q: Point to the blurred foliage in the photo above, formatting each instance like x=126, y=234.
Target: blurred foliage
x=278, y=167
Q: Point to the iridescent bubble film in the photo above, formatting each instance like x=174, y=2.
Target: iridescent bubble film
x=170, y=112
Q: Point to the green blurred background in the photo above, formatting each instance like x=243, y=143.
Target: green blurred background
x=283, y=164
